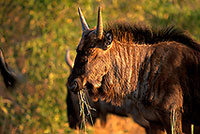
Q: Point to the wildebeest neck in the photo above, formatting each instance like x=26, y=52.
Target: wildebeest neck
x=126, y=62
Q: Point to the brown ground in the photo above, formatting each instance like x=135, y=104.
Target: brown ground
x=116, y=125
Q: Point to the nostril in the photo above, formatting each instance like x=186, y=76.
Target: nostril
x=78, y=83
x=75, y=83
x=73, y=86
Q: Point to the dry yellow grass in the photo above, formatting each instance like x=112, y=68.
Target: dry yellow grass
x=115, y=125
x=118, y=125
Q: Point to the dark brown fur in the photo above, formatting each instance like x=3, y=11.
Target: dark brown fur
x=102, y=109
x=157, y=69
x=142, y=34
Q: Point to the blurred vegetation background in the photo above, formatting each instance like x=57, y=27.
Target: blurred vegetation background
x=35, y=35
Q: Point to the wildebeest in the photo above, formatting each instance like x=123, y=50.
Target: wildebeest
x=159, y=70
x=102, y=108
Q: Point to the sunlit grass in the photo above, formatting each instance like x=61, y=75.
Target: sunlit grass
x=85, y=108
x=192, y=129
x=173, y=121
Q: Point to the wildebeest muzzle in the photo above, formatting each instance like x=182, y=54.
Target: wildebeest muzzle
x=76, y=85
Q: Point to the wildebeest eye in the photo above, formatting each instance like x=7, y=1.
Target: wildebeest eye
x=108, y=39
x=84, y=59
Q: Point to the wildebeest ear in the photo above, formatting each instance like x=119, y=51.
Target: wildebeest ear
x=108, y=39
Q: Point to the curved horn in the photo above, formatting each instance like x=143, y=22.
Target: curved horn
x=99, y=30
x=68, y=59
x=83, y=21
x=9, y=77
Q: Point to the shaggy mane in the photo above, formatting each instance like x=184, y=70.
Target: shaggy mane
x=142, y=34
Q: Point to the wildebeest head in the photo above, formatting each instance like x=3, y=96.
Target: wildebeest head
x=92, y=61
x=102, y=108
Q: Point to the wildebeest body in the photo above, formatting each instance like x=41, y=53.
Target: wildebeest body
x=157, y=69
